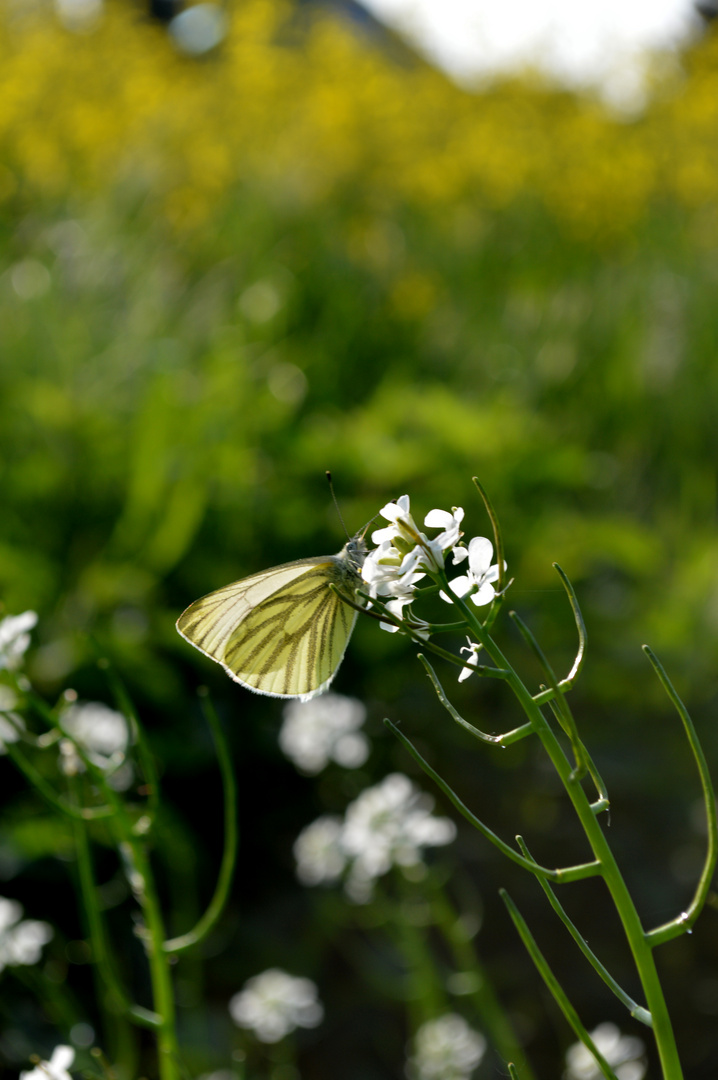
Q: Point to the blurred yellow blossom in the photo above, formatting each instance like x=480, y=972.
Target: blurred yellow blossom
x=305, y=102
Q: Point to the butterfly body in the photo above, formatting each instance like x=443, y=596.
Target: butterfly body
x=282, y=632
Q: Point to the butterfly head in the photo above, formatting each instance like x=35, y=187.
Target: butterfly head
x=355, y=551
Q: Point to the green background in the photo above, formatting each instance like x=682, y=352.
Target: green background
x=220, y=277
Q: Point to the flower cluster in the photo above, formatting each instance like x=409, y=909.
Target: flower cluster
x=322, y=730
x=445, y=1049
x=404, y=555
x=21, y=942
x=274, y=1004
x=624, y=1053
x=387, y=825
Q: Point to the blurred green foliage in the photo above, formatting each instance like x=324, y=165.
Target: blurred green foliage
x=219, y=278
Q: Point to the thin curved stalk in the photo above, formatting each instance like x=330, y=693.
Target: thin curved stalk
x=602, y=802
x=500, y=558
x=496, y=740
x=557, y=991
x=48, y=793
x=568, y=682
x=561, y=875
x=141, y=878
x=100, y=952
x=229, y=856
x=127, y=708
x=496, y=528
x=685, y=920
x=561, y=711
x=636, y=1010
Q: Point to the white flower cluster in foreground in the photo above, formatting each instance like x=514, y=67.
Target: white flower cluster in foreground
x=624, y=1053
x=15, y=638
x=445, y=1049
x=405, y=555
x=322, y=730
x=104, y=736
x=387, y=825
x=274, y=1004
x=21, y=940
x=54, y=1069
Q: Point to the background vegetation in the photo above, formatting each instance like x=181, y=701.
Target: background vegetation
x=220, y=276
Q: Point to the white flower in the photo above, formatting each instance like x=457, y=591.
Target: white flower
x=318, y=851
x=404, y=537
x=322, y=730
x=20, y=942
x=388, y=825
x=15, y=639
x=481, y=574
x=274, y=1004
x=101, y=731
x=390, y=574
x=403, y=527
x=54, y=1069
x=624, y=1053
x=404, y=553
x=446, y=1049
x=473, y=650
x=103, y=734
x=447, y=540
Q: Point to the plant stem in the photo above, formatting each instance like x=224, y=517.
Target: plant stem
x=153, y=936
x=635, y=935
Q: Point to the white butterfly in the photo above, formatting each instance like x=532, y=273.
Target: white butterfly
x=282, y=632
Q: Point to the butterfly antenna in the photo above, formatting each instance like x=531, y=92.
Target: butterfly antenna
x=336, y=504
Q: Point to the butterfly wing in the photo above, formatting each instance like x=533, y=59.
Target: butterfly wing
x=282, y=632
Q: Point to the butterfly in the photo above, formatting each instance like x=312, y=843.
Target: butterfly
x=282, y=632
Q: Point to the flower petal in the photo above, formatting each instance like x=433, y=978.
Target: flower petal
x=438, y=519
x=485, y=594
x=461, y=585
x=481, y=552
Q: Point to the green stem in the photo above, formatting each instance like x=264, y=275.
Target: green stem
x=119, y=1000
x=501, y=584
x=142, y=883
x=560, y=875
x=559, y=994
x=686, y=919
x=127, y=708
x=633, y=1007
x=229, y=857
x=568, y=682
x=496, y=740
x=153, y=936
x=48, y=792
x=559, y=704
x=637, y=941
